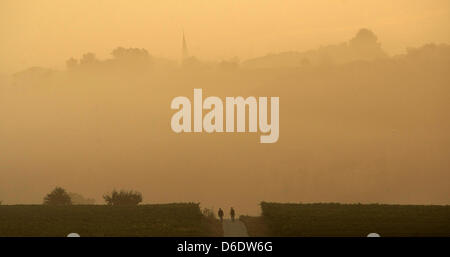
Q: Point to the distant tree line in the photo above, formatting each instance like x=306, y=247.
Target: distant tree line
x=125, y=56
x=59, y=196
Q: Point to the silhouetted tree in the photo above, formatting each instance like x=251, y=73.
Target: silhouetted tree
x=130, y=53
x=58, y=196
x=430, y=54
x=123, y=198
x=71, y=63
x=364, y=37
x=88, y=58
x=366, y=45
x=134, y=59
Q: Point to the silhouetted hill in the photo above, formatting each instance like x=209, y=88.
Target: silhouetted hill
x=364, y=46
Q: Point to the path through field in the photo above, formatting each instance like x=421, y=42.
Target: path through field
x=236, y=228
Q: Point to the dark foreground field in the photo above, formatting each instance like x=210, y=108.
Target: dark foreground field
x=184, y=219
x=349, y=220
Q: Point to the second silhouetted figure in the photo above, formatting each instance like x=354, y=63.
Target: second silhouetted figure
x=232, y=214
x=220, y=213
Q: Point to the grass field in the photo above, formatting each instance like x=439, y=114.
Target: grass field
x=349, y=220
x=183, y=219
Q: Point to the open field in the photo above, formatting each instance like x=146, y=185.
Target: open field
x=349, y=220
x=178, y=219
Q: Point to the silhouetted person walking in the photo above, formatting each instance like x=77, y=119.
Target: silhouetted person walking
x=220, y=213
x=232, y=214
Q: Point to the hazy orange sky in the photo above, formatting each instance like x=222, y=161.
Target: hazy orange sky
x=355, y=126
x=48, y=32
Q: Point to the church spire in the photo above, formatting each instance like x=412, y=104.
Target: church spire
x=185, y=49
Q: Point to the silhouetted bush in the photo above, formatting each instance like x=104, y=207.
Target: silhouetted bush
x=123, y=198
x=58, y=196
x=88, y=59
x=71, y=63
